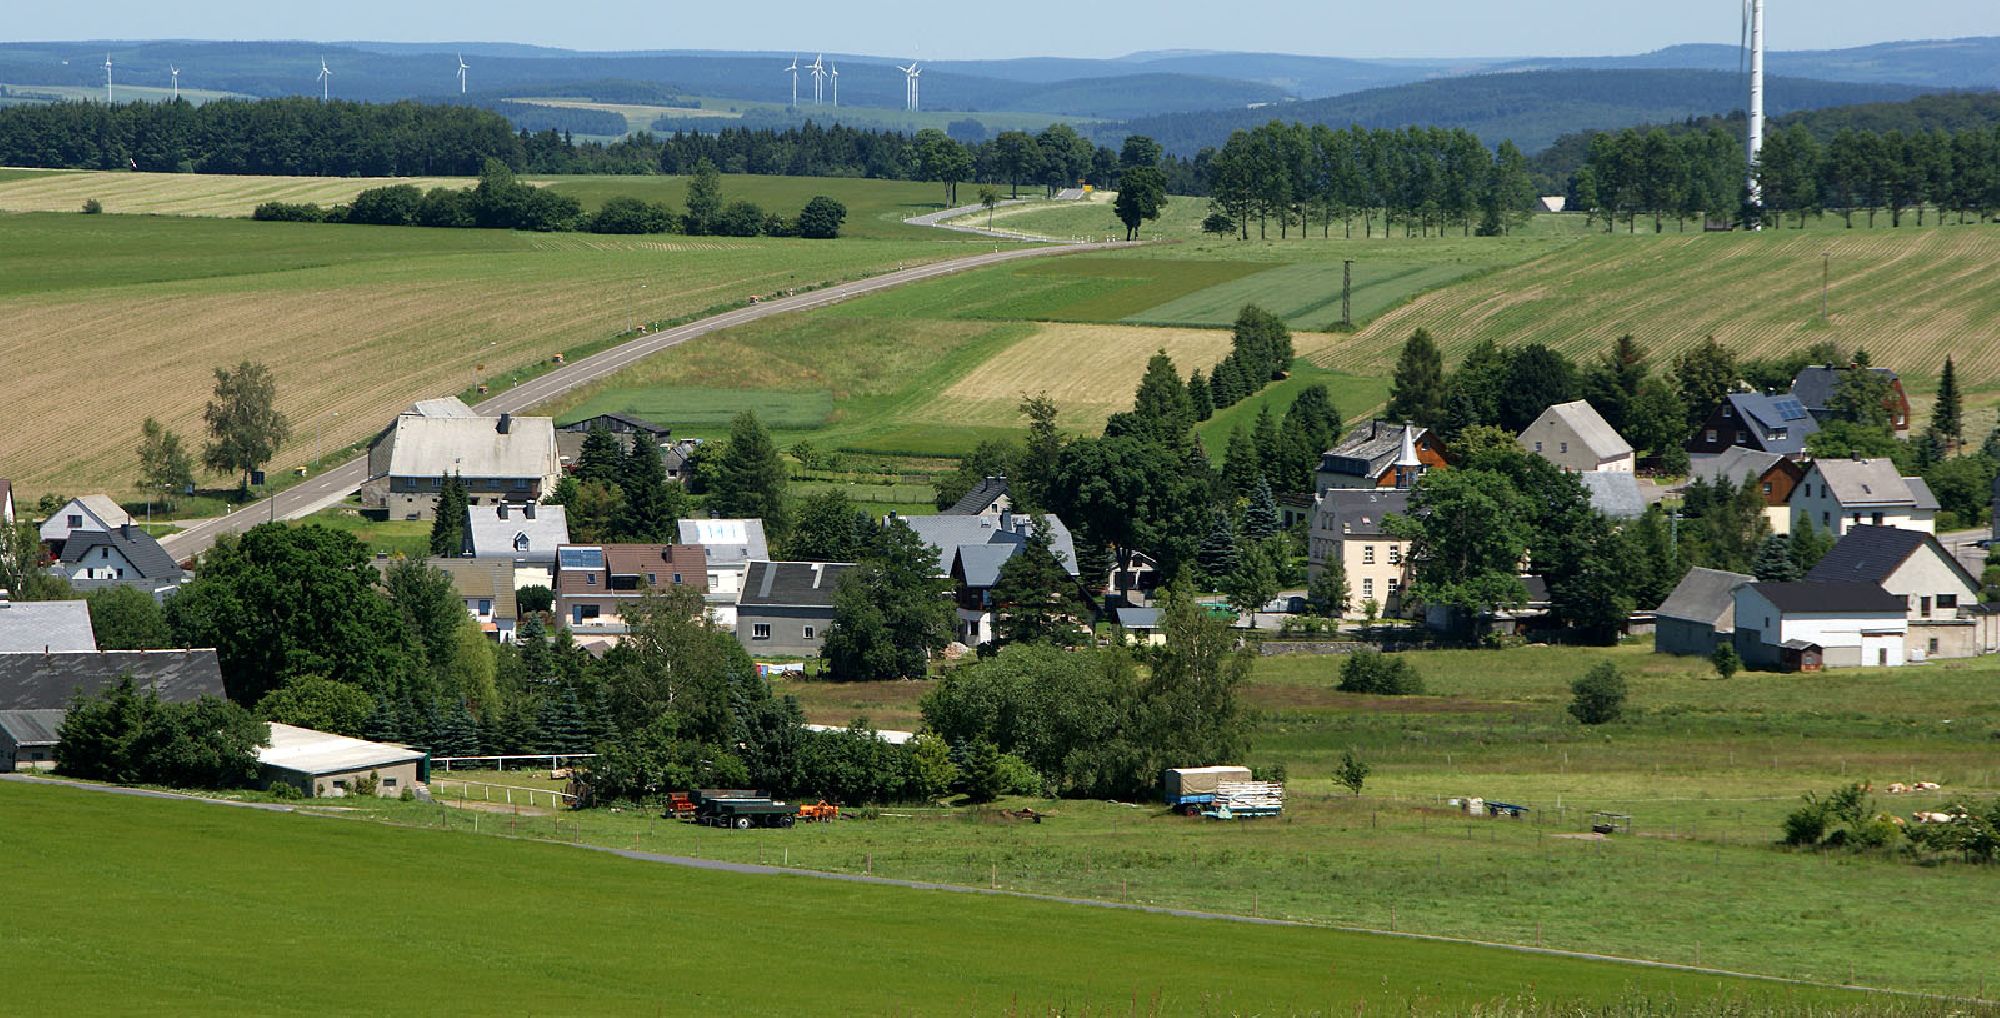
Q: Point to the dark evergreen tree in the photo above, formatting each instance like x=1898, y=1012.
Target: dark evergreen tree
x=1948, y=416
x=1270, y=447
x=601, y=459
x=651, y=510
x=1260, y=517
x=1536, y=379
x=385, y=725
x=1806, y=546
x=1774, y=563
x=1162, y=405
x=1217, y=557
x=448, y=527
x=561, y=723
x=1417, y=391
x=1035, y=599
x=1242, y=467
x=750, y=479
x=1200, y=395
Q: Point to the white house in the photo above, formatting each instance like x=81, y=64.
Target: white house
x=729, y=547
x=122, y=557
x=90, y=512
x=1836, y=494
x=526, y=535
x=1575, y=437
x=1810, y=625
x=1941, y=597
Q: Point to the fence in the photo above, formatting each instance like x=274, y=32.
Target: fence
x=511, y=795
x=499, y=762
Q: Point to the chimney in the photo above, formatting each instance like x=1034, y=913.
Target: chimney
x=125, y=530
x=503, y=509
x=528, y=510
x=506, y=423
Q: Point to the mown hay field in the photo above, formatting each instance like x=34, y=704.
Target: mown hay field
x=1908, y=296
x=355, y=322
x=644, y=934
x=187, y=194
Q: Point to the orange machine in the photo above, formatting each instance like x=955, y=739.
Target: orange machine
x=819, y=813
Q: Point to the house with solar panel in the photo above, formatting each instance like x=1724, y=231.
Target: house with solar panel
x=1752, y=420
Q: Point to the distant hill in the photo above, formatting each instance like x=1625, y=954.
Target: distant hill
x=1940, y=63
x=1530, y=108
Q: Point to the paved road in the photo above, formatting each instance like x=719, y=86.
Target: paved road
x=335, y=484
x=1960, y=543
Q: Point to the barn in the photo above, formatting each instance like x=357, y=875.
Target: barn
x=1699, y=613
x=324, y=764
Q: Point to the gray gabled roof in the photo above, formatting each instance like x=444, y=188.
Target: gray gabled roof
x=1871, y=554
x=473, y=447
x=728, y=542
x=1736, y=464
x=791, y=584
x=948, y=533
x=33, y=727
x=1820, y=597
x=1867, y=482
x=1360, y=512
x=1139, y=618
x=1920, y=494
x=139, y=548
x=488, y=536
x=1703, y=595
x=1614, y=493
x=49, y=681
x=55, y=626
x=980, y=498
x=1816, y=384
x=1769, y=416
x=1368, y=450
x=633, y=421
x=979, y=564
x=1591, y=429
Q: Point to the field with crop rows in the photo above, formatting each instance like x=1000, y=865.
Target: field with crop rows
x=1909, y=296
x=169, y=926
x=187, y=194
x=356, y=322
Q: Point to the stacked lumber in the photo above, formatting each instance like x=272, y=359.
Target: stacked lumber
x=1250, y=796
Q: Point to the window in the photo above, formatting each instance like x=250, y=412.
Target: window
x=652, y=579
x=677, y=579
x=811, y=632
x=1538, y=447
x=485, y=606
x=1708, y=436
x=1368, y=587
x=1767, y=487
x=1948, y=601
x=1924, y=607
x=1934, y=645
x=1728, y=410
x=520, y=542
x=1826, y=520
x=75, y=520
x=1367, y=554
x=1742, y=436
x=1395, y=556
x=713, y=581
x=388, y=782
x=590, y=579
x=340, y=783
x=760, y=631
x=583, y=612
x=1565, y=447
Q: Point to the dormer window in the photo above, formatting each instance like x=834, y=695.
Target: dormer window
x=1728, y=411
x=520, y=542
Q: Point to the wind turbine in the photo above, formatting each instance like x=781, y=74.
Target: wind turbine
x=175, y=73
x=461, y=74
x=107, y=79
x=325, y=80
x=910, y=74
x=819, y=80
x=833, y=71
x=794, y=72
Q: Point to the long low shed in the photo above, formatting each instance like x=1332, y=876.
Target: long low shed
x=322, y=763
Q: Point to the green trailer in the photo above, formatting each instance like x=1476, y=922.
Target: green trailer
x=744, y=813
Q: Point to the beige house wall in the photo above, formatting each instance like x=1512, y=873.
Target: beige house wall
x=393, y=779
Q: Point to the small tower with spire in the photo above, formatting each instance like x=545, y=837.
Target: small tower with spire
x=1408, y=466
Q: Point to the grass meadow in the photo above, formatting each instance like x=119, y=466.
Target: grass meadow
x=356, y=322
x=525, y=927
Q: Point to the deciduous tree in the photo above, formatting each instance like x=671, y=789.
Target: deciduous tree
x=245, y=427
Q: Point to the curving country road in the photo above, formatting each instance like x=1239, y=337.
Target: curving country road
x=336, y=483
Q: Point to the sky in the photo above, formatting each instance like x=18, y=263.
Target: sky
x=1352, y=28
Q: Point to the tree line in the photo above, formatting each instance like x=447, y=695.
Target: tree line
x=1424, y=179
x=1698, y=174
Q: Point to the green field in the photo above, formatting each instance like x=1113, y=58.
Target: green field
x=875, y=208
x=407, y=538
x=183, y=925
x=356, y=322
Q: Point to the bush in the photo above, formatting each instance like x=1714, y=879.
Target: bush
x=1599, y=697
x=126, y=736
x=1380, y=674
x=1805, y=826
x=534, y=599
x=821, y=218
x=397, y=205
x=1726, y=663
x=627, y=215
x=739, y=219
x=288, y=212
x=1352, y=772
x=451, y=207
x=92, y=207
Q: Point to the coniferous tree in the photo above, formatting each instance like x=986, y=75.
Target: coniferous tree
x=448, y=528
x=1200, y=395
x=385, y=724
x=561, y=723
x=652, y=508
x=1774, y=563
x=1270, y=447
x=1161, y=404
x=1242, y=467
x=600, y=461
x=1417, y=392
x=1217, y=557
x=1034, y=598
x=1260, y=517
x=1807, y=545
x=1948, y=418
x=750, y=478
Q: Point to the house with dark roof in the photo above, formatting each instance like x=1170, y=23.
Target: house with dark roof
x=1350, y=528
x=28, y=739
x=971, y=550
x=1836, y=494
x=1699, y=614
x=594, y=583
x=621, y=424
x=987, y=498
x=45, y=627
x=785, y=608
x=1814, y=624
x=1380, y=454
x=1575, y=437
x=1777, y=424
x=40, y=681
x=124, y=557
x=1941, y=595
x=1775, y=475
x=1816, y=384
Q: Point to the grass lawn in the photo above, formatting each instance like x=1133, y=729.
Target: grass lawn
x=1353, y=396
x=171, y=925
x=408, y=538
x=355, y=322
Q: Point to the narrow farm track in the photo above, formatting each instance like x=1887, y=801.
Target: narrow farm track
x=334, y=484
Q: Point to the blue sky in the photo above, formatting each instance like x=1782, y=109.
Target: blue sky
x=1359, y=28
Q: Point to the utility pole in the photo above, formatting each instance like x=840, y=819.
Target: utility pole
x=1825, y=280
x=1347, y=294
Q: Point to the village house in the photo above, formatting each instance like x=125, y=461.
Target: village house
x=1836, y=494
x=1615, y=493
x=89, y=513
x=971, y=550
x=623, y=428
x=28, y=739
x=45, y=627
x=1575, y=437
x=486, y=586
x=1774, y=475
x=1941, y=597
x=1811, y=625
x=728, y=547
x=1379, y=454
x=526, y=535
x=1700, y=614
x=785, y=608
x=1816, y=384
x=322, y=764
x=124, y=557
x=1777, y=424
x=594, y=583
x=497, y=459
x=1349, y=528
x=990, y=497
